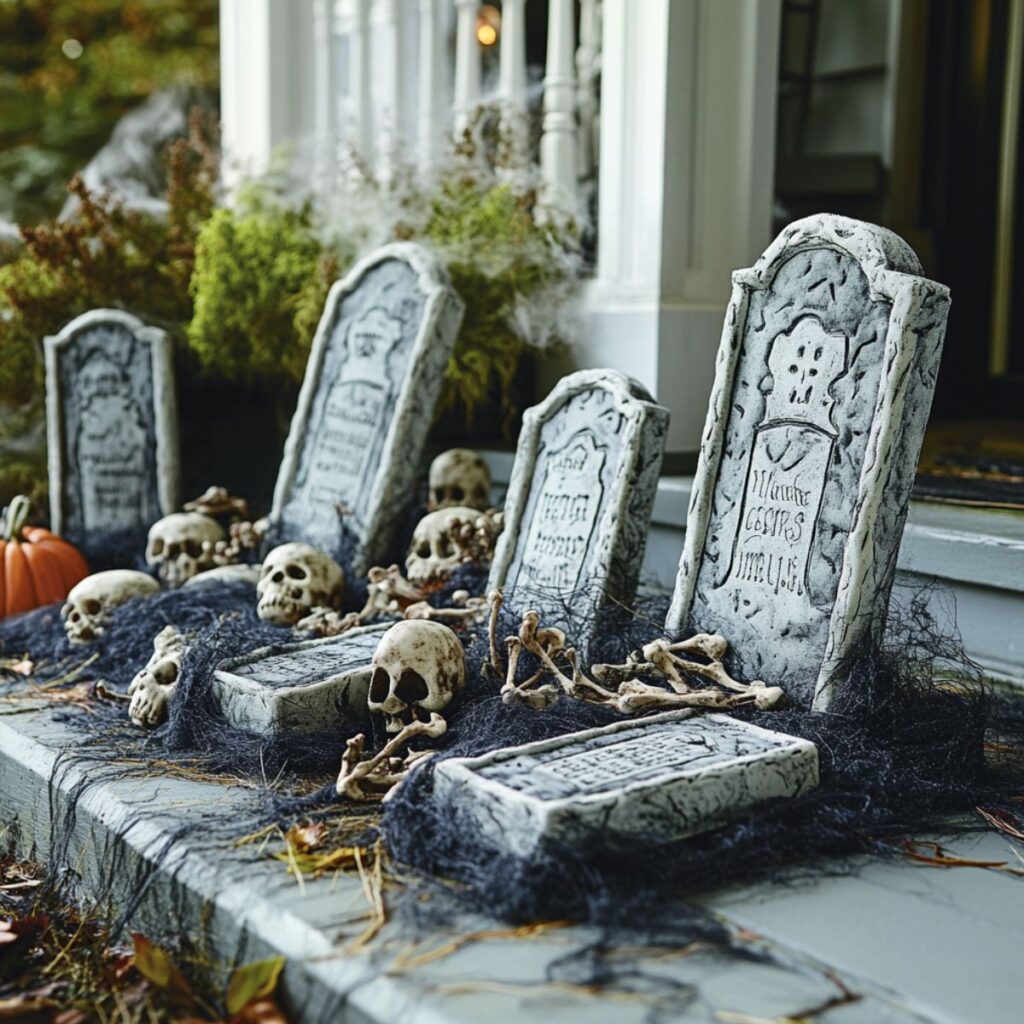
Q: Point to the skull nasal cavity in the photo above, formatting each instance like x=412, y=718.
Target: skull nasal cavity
x=412, y=687
x=380, y=684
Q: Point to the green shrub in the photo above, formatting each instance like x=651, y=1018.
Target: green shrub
x=59, y=103
x=260, y=281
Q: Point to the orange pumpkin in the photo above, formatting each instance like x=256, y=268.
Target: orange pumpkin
x=36, y=566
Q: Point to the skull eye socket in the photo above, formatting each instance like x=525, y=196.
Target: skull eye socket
x=173, y=550
x=380, y=683
x=92, y=606
x=458, y=493
x=295, y=572
x=165, y=673
x=157, y=547
x=423, y=550
x=412, y=687
x=444, y=547
x=193, y=548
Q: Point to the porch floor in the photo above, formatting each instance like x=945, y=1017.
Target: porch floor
x=908, y=942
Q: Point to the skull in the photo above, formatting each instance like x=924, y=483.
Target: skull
x=93, y=599
x=418, y=667
x=182, y=544
x=448, y=538
x=295, y=579
x=459, y=477
x=152, y=689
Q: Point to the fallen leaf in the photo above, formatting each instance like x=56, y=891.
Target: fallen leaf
x=253, y=982
x=24, y=929
x=156, y=966
x=264, y=1011
x=304, y=838
x=27, y=1009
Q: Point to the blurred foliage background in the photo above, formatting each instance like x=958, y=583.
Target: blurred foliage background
x=69, y=69
x=240, y=285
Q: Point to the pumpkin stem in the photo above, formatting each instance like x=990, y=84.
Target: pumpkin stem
x=14, y=517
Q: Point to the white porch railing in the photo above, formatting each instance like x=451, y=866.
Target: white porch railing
x=392, y=78
x=686, y=137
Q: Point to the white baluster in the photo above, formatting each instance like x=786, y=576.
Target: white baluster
x=588, y=67
x=362, y=133
x=393, y=22
x=325, y=88
x=467, y=63
x=512, y=78
x=558, y=141
x=430, y=82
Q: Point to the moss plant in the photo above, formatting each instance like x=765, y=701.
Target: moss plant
x=107, y=256
x=502, y=259
x=259, y=285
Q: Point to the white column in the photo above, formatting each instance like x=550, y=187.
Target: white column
x=688, y=96
x=512, y=78
x=325, y=87
x=267, y=84
x=558, y=140
x=467, y=63
x=391, y=20
x=588, y=65
x=430, y=83
x=362, y=129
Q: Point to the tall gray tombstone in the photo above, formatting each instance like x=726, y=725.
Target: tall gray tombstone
x=112, y=428
x=823, y=386
x=367, y=401
x=579, y=502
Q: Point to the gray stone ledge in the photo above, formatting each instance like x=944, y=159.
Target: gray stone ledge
x=963, y=926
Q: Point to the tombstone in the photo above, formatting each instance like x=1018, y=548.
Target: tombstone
x=112, y=429
x=656, y=779
x=367, y=402
x=312, y=686
x=822, y=392
x=579, y=501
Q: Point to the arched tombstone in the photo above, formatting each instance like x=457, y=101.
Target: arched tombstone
x=823, y=387
x=112, y=428
x=585, y=474
x=372, y=382
x=579, y=502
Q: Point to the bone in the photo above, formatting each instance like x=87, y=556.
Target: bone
x=617, y=685
x=372, y=778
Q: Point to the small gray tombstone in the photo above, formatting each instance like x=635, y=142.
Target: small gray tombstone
x=662, y=778
x=579, y=502
x=372, y=381
x=823, y=387
x=311, y=686
x=112, y=427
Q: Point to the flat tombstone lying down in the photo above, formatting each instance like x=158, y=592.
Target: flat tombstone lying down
x=823, y=387
x=112, y=428
x=657, y=779
x=372, y=380
x=313, y=686
x=579, y=502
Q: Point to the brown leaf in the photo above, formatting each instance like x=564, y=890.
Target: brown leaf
x=263, y=1011
x=304, y=838
x=253, y=982
x=156, y=966
x=21, y=931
